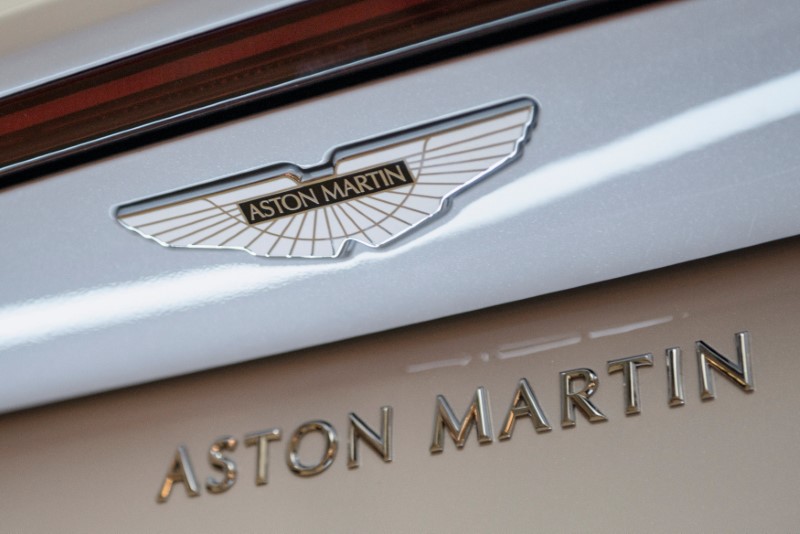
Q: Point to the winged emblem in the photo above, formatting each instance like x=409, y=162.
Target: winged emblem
x=370, y=192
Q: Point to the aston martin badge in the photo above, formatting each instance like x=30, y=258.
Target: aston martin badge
x=369, y=192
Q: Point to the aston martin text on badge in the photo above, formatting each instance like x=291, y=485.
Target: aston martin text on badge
x=328, y=192
x=370, y=192
x=577, y=386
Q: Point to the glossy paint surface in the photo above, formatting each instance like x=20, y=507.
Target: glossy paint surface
x=96, y=464
x=666, y=134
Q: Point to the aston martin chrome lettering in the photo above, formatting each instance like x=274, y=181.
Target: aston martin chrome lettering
x=524, y=403
x=370, y=192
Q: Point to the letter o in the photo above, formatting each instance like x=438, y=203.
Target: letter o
x=328, y=456
x=298, y=203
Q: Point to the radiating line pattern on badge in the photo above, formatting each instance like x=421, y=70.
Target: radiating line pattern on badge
x=361, y=200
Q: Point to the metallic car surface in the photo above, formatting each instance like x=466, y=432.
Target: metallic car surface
x=666, y=133
x=641, y=219
x=96, y=464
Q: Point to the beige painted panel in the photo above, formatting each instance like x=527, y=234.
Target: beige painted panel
x=731, y=464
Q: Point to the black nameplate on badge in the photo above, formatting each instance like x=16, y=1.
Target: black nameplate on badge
x=326, y=192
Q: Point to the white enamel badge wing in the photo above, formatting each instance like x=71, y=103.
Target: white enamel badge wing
x=371, y=192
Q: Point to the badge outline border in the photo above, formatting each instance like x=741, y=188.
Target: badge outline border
x=317, y=172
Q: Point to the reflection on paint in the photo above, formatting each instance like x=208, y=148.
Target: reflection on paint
x=630, y=327
x=527, y=348
x=530, y=347
x=439, y=364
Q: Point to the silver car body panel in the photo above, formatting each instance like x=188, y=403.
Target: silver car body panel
x=667, y=133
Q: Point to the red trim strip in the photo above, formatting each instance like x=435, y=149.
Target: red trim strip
x=261, y=53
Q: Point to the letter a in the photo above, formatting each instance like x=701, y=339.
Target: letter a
x=180, y=471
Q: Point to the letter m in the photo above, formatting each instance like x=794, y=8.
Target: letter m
x=477, y=414
x=740, y=373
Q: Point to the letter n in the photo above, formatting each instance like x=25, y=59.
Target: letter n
x=478, y=414
x=740, y=373
x=382, y=444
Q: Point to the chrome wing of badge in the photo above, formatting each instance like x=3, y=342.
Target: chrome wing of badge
x=371, y=192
